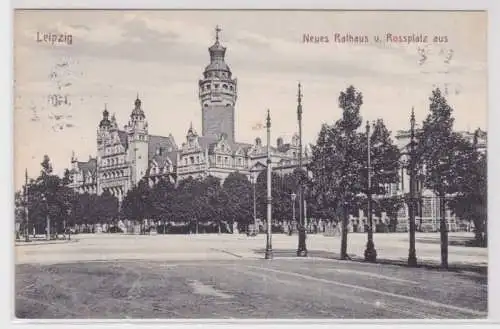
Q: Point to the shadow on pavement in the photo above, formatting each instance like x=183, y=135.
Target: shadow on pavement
x=427, y=264
x=455, y=241
x=43, y=242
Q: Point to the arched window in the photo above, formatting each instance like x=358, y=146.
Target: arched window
x=231, y=88
x=224, y=86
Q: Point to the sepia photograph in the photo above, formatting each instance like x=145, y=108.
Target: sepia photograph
x=250, y=164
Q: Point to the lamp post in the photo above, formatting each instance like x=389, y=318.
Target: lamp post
x=68, y=230
x=293, y=196
x=269, y=247
x=44, y=199
x=301, y=248
x=26, y=211
x=254, y=182
x=370, y=252
x=412, y=254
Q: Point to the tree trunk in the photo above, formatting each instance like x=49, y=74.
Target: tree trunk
x=343, y=245
x=443, y=230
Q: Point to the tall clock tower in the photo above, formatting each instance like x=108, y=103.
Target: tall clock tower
x=218, y=93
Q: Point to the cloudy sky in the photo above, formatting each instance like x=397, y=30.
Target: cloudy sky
x=161, y=55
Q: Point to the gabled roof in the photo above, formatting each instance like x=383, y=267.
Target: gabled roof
x=87, y=166
x=167, y=146
x=123, y=138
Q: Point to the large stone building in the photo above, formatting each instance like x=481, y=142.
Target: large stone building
x=125, y=156
x=427, y=208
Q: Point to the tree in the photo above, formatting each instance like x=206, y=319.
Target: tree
x=189, y=202
x=437, y=149
x=470, y=200
x=385, y=157
x=338, y=160
x=280, y=207
x=162, y=200
x=239, y=193
x=213, y=200
x=137, y=203
x=50, y=200
x=106, y=208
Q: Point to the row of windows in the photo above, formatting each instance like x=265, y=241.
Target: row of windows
x=155, y=170
x=216, y=86
x=113, y=161
x=217, y=75
x=114, y=174
x=227, y=105
x=112, y=150
x=227, y=160
x=191, y=160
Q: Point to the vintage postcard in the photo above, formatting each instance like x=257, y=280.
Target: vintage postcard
x=239, y=164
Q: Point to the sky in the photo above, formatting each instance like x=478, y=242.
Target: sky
x=160, y=55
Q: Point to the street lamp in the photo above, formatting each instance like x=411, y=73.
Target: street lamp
x=254, y=182
x=27, y=235
x=44, y=199
x=412, y=254
x=69, y=231
x=370, y=252
x=293, y=195
x=269, y=247
x=301, y=248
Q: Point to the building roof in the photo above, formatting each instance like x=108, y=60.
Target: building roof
x=161, y=147
x=87, y=166
x=123, y=138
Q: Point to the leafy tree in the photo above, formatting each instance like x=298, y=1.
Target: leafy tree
x=189, y=202
x=212, y=201
x=106, y=207
x=385, y=157
x=162, y=199
x=239, y=193
x=137, y=203
x=438, y=148
x=470, y=200
x=338, y=161
x=280, y=199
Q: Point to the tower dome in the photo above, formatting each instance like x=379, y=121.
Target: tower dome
x=217, y=53
x=137, y=111
x=105, y=122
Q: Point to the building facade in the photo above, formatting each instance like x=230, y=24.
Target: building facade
x=125, y=156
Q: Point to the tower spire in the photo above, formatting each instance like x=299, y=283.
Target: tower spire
x=299, y=102
x=217, y=31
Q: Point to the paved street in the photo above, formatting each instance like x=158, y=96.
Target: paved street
x=211, y=276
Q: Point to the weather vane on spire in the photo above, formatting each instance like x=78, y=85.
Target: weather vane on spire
x=299, y=94
x=217, y=30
